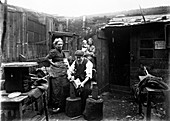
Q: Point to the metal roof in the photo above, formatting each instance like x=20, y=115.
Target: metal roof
x=136, y=20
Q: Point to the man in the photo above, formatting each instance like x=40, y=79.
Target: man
x=81, y=69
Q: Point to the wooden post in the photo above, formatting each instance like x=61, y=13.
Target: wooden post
x=45, y=106
x=148, y=112
x=3, y=22
x=72, y=91
x=1, y=31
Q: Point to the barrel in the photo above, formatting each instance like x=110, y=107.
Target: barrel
x=73, y=107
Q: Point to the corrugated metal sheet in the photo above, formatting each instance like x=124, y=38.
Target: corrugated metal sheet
x=136, y=20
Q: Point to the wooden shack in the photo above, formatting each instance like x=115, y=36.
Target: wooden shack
x=121, y=47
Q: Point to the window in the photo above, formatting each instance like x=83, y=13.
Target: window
x=146, y=44
x=146, y=48
x=152, y=48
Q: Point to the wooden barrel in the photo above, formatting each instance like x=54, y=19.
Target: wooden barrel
x=73, y=107
x=94, y=109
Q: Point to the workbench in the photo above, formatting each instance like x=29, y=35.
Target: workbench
x=20, y=104
x=150, y=98
x=17, y=80
x=16, y=104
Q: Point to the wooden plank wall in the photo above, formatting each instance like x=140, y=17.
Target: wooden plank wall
x=154, y=32
x=36, y=39
x=27, y=34
x=158, y=65
x=102, y=57
x=24, y=36
x=13, y=43
x=167, y=29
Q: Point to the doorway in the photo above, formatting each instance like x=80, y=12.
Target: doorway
x=119, y=57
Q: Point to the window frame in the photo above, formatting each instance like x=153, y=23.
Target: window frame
x=153, y=48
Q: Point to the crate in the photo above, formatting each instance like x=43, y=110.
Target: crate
x=14, y=79
x=17, y=76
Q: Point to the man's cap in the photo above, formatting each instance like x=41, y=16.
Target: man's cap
x=79, y=53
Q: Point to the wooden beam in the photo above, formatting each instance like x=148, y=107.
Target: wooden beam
x=3, y=21
x=4, y=14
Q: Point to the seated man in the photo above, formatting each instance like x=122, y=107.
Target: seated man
x=81, y=69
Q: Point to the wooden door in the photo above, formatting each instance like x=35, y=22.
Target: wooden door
x=119, y=58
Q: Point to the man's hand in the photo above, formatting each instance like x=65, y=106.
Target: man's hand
x=72, y=78
x=84, y=82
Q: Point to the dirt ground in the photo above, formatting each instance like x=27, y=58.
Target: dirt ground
x=116, y=107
